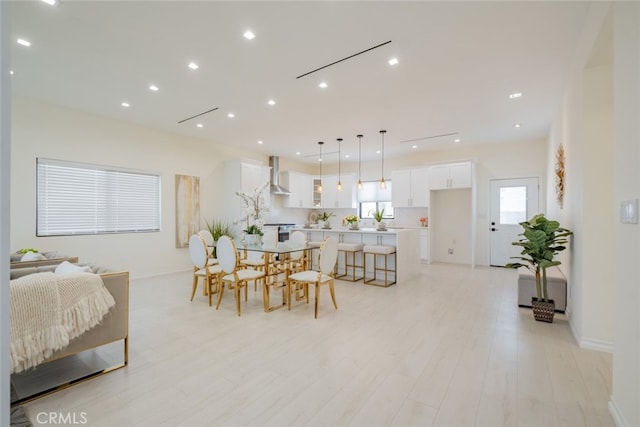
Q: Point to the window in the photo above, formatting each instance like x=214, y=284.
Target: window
x=372, y=198
x=76, y=198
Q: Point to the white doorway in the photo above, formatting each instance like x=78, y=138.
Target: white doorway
x=512, y=202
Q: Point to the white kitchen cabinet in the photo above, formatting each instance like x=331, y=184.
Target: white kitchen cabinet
x=300, y=185
x=240, y=176
x=410, y=188
x=451, y=175
x=332, y=198
x=424, y=246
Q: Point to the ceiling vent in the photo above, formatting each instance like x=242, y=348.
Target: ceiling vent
x=275, y=188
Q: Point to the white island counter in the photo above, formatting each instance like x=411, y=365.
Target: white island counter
x=406, y=241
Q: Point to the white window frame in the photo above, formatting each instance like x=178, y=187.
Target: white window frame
x=80, y=198
x=375, y=196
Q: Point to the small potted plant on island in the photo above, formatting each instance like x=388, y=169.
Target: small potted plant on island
x=378, y=216
x=324, y=216
x=542, y=239
x=352, y=220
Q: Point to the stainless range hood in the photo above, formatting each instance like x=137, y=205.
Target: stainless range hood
x=275, y=188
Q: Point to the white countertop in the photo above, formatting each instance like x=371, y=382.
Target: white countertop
x=370, y=230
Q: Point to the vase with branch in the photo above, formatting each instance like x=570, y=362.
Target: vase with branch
x=254, y=213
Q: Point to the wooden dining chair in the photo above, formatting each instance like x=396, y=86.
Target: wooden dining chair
x=231, y=275
x=325, y=275
x=202, y=269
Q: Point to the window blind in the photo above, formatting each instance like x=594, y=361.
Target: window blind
x=77, y=198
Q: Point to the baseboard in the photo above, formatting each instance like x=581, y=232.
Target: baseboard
x=617, y=416
x=590, y=344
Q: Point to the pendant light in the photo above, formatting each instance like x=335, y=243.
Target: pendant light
x=359, y=161
x=339, y=155
x=383, y=184
x=320, y=143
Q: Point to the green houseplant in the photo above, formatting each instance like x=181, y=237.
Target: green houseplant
x=378, y=215
x=541, y=240
x=219, y=228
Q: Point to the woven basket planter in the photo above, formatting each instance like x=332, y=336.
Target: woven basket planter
x=543, y=311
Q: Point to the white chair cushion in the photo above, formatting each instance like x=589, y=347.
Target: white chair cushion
x=207, y=236
x=315, y=244
x=328, y=255
x=254, y=262
x=379, y=249
x=212, y=261
x=216, y=269
x=226, y=251
x=198, y=251
x=350, y=247
x=309, y=276
x=246, y=274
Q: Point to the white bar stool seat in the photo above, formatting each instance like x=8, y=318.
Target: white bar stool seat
x=376, y=251
x=349, y=249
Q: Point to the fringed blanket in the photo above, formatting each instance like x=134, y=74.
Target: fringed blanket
x=49, y=310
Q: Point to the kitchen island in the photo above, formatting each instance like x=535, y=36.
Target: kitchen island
x=406, y=241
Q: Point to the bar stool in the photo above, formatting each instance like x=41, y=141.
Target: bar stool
x=349, y=249
x=380, y=250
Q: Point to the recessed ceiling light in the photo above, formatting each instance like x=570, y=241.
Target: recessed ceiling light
x=393, y=61
x=518, y=125
x=11, y=72
x=154, y=88
x=271, y=102
x=377, y=151
x=231, y=115
x=193, y=65
x=125, y=104
x=200, y=125
x=515, y=95
x=456, y=140
x=319, y=160
x=323, y=85
x=298, y=153
x=346, y=156
x=414, y=146
x=50, y=2
x=260, y=142
x=249, y=35
x=24, y=42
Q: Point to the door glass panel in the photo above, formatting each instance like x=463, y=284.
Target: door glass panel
x=513, y=205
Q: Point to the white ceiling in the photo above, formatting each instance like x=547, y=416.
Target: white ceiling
x=458, y=62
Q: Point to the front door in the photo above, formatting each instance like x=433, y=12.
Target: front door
x=512, y=202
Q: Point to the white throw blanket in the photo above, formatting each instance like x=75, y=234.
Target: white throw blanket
x=49, y=310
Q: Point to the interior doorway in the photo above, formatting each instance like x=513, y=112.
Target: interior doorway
x=512, y=202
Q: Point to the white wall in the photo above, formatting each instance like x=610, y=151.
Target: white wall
x=625, y=399
x=450, y=226
x=41, y=130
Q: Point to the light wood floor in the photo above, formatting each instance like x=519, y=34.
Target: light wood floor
x=448, y=349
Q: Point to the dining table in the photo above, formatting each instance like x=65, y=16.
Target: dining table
x=276, y=262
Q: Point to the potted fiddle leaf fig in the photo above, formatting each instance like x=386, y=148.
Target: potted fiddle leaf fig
x=541, y=240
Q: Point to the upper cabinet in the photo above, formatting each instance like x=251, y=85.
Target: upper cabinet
x=410, y=188
x=301, y=187
x=332, y=198
x=452, y=175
